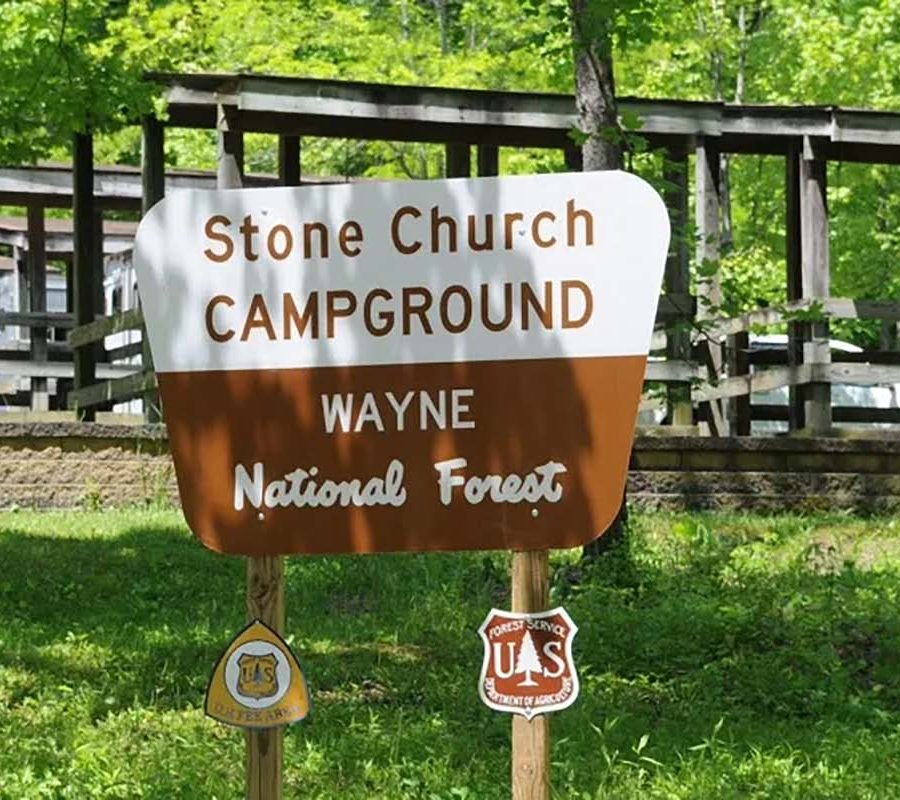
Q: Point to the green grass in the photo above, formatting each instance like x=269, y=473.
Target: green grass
x=720, y=656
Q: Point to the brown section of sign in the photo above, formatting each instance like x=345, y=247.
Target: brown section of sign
x=576, y=412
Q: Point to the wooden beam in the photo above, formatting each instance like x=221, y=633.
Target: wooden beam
x=709, y=285
x=678, y=278
x=99, y=329
x=673, y=371
x=458, y=160
x=153, y=188
x=37, y=319
x=59, y=369
x=488, y=160
x=289, y=160
x=37, y=291
x=230, y=156
x=762, y=381
x=708, y=204
x=153, y=163
x=423, y=113
x=853, y=414
x=815, y=276
x=84, y=290
x=573, y=157
x=112, y=390
x=739, y=365
x=794, y=278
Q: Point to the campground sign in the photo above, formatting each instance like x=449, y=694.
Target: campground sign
x=435, y=365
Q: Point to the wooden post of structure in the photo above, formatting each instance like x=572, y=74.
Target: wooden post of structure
x=710, y=288
x=530, y=739
x=84, y=257
x=153, y=188
x=37, y=293
x=289, y=160
x=678, y=280
x=816, y=273
x=265, y=748
x=459, y=160
x=230, y=155
x=265, y=574
x=793, y=248
x=488, y=160
x=573, y=157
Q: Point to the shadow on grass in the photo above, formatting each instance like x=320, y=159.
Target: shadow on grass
x=789, y=654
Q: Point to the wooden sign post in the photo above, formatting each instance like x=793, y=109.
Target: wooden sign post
x=530, y=738
x=404, y=366
x=265, y=747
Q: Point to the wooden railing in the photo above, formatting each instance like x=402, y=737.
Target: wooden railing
x=710, y=390
x=767, y=370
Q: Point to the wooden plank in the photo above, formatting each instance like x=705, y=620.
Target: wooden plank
x=128, y=351
x=794, y=277
x=117, y=390
x=673, y=371
x=289, y=160
x=21, y=351
x=764, y=381
x=708, y=204
x=677, y=279
x=709, y=287
x=99, y=329
x=847, y=308
x=530, y=739
x=153, y=189
x=853, y=414
x=573, y=156
x=831, y=308
x=153, y=164
x=37, y=319
x=59, y=369
x=84, y=289
x=37, y=292
x=739, y=365
x=421, y=113
x=778, y=357
x=816, y=275
x=265, y=602
x=458, y=160
x=230, y=155
x=860, y=374
x=488, y=160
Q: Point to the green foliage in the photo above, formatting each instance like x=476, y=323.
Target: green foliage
x=66, y=65
x=721, y=656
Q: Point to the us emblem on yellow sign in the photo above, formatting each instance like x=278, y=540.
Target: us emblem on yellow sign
x=257, y=683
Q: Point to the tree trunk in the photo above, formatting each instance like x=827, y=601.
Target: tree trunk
x=598, y=121
x=595, y=87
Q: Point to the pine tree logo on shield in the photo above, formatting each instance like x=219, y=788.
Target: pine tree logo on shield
x=528, y=667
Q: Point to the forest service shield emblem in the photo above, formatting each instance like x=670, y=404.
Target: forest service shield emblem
x=257, y=675
x=528, y=667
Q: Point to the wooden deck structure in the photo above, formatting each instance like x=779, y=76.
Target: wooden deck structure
x=707, y=377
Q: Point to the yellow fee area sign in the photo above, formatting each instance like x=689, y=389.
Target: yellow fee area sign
x=257, y=683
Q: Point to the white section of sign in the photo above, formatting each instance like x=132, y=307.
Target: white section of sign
x=585, y=249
